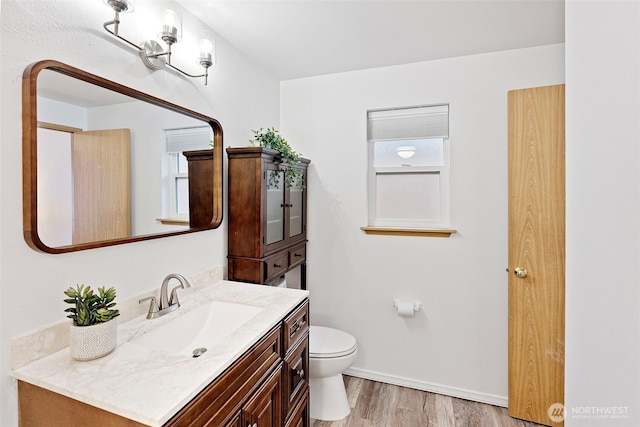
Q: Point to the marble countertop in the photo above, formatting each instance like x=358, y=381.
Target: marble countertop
x=150, y=386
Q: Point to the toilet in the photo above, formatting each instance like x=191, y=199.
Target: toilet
x=331, y=352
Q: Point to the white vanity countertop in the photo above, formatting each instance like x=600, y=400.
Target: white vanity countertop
x=148, y=386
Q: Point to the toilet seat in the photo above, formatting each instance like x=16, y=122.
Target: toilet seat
x=325, y=343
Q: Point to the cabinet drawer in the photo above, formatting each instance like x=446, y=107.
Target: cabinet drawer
x=297, y=255
x=296, y=325
x=296, y=375
x=276, y=265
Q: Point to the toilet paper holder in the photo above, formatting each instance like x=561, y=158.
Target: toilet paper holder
x=417, y=305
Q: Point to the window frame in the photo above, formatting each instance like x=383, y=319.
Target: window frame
x=172, y=160
x=377, y=225
x=172, y=193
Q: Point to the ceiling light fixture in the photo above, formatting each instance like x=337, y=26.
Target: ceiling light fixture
x=406, y=151
x=153, y=55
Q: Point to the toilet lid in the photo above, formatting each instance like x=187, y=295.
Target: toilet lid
x=328, y=342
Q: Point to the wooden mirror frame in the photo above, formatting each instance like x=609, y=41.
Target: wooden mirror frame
x=30, y=157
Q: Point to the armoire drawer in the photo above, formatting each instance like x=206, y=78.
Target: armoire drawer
x=276, y=265
x=297, y=255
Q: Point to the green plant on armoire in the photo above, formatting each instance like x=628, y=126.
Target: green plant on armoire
x=271, y=138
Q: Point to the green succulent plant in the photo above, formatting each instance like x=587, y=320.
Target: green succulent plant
x=271, y=138
x=90, y=308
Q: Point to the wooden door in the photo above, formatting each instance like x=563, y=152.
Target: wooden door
x=101, y=164
x=536, y=254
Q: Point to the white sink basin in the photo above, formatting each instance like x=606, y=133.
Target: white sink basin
x=200, y=328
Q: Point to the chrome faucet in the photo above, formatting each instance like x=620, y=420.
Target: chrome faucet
x=167, y=303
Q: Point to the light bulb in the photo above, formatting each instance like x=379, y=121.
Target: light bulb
x=170, y=27
x=207, y=51
x=170, y=18
x=205, y=46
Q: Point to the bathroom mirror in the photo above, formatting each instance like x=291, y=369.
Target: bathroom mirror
x=104, y=164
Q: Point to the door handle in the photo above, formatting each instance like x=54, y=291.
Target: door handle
x=520, y=273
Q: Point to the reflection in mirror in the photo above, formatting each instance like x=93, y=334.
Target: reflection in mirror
x=104, y=163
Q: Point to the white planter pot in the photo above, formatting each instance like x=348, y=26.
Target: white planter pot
x=92, y=342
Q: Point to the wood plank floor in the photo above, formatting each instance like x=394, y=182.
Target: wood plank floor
x=375, y=404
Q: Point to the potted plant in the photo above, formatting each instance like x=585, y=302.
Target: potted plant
x=92, y=334
x=271, y=138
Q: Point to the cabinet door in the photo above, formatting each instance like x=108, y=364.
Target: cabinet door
x=264, y=409
x=300, y=416
x=275, y=206
x=296, y=209
x=236, y=421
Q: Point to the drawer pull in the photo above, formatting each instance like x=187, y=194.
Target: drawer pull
x=296, y=327
x=297, y=255
x=300, y=373
x=252, y=425
x=276, y=266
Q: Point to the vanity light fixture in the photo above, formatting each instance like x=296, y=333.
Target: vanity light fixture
x=153, y=55
x=406, y=151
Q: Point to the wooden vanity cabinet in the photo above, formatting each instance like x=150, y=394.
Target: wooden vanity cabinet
x=267, y=220
x=266, y=387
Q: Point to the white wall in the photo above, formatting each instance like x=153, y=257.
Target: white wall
x=55, y=190
x=240, y=95
x=603, y=213
x=458, y=343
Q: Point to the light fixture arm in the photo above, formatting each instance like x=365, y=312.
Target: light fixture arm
x=205, y=74
x=116, y=24
x=150, y=51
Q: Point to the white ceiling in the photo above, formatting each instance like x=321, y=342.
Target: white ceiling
x=301, y=38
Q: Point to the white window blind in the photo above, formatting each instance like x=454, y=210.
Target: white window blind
x=186, y=139
x=409, y=123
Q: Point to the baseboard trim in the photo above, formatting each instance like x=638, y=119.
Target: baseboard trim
x=430, y=387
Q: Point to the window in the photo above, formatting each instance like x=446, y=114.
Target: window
x=176, y=190
x=409, y=167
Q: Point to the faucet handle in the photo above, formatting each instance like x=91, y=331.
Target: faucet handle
x=153, y=307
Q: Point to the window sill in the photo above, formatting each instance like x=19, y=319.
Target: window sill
x=173, y=221
x=397, y=231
